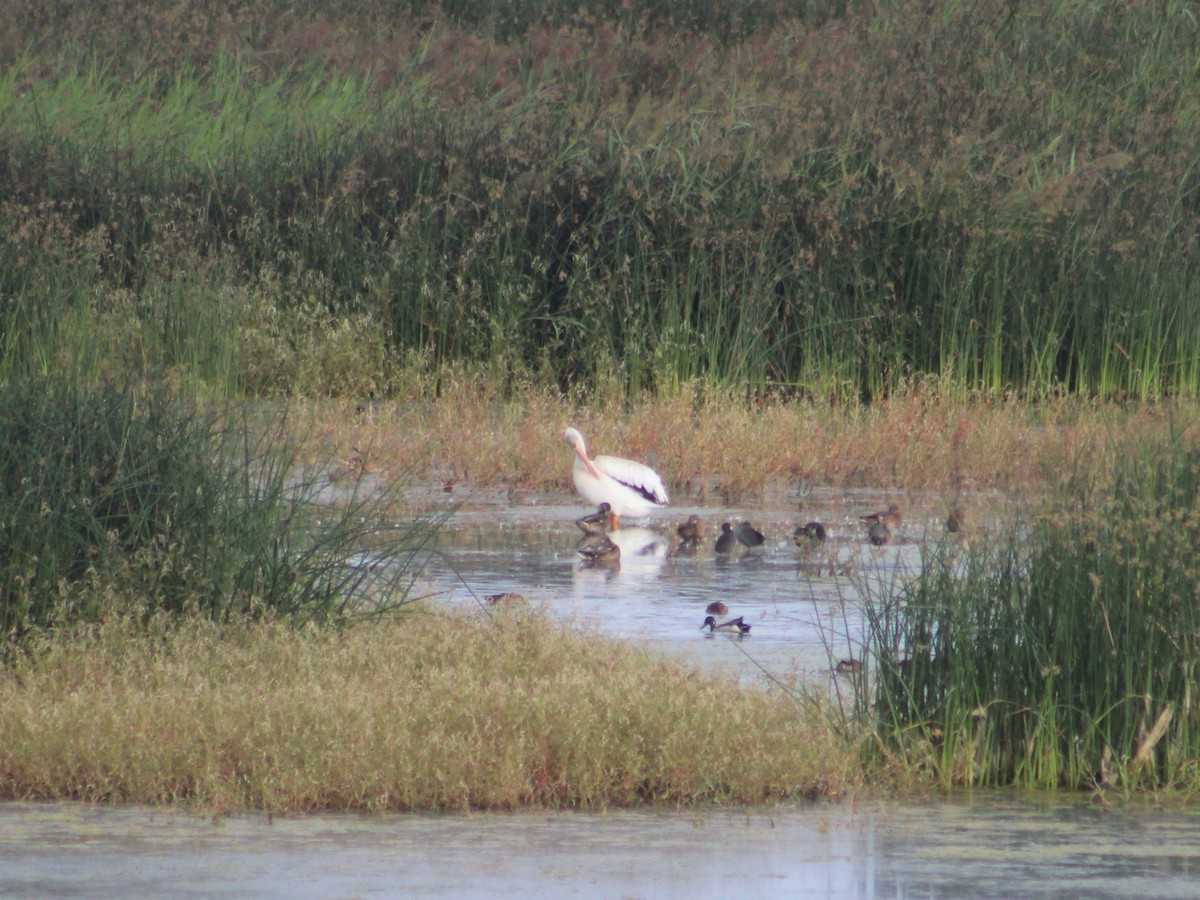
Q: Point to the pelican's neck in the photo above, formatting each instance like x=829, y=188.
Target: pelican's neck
x=581, y=452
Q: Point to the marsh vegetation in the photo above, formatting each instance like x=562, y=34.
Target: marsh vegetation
x=816, y=200
x=943, y=245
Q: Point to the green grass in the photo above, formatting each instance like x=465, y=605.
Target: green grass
x=137, y=501
x=832, y=205
x=1057, y=640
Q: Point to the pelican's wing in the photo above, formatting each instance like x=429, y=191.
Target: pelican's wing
x=635, y=476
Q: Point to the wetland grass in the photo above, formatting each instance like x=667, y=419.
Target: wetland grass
x=710, y=442
x=979, y=218
x=1060, y=652
x=423, y=711
x=134, y=499
x=828, y=207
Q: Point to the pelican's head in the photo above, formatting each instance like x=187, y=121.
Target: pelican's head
x=575, y=439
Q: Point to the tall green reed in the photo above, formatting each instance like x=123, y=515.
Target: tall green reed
x=1045, y=653
x=119, y=500
x=999, y=196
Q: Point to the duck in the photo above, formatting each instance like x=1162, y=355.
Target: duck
x=717, y=608
x=748, y=535
x=849, y=666
x=733, y=626
x=507, y=599
x=597, y=522
x=956, y=521
x=598, y=549
x=890, y=517
x=629, y=488
x=690, y=531
x=726, y=540
x=879, y=534
x=809, y=533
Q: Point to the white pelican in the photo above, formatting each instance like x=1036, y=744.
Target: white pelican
x=628, y=487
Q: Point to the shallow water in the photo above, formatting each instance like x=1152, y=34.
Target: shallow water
x=804, y=606
x=989, y=844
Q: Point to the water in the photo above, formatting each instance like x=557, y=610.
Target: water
x=804, y=606
x=986, y=845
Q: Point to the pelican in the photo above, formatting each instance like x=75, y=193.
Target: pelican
x=733, y=626
x=628, y=487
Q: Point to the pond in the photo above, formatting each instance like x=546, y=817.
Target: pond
x=986, y=844
x=803, y=604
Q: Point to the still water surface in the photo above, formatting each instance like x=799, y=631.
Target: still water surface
x=803, y=605
x=986, y=845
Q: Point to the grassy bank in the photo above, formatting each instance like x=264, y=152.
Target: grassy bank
x=909, y=246
x=812, y=200
x=425, y=713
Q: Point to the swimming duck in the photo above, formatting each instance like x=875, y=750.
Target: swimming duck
x=598, y=549
x=690, y=531
x=597, y=522
x=733, y=626
x=879, y=534
x=810, y=533
x=726, y=540
x=890, y=517
x=748, y=535
x=717, y=608
x=629, y=488
x=956, y=520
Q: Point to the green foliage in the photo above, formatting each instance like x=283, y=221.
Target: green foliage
x=806, y=199
x=1033, y=655
x=117, y=500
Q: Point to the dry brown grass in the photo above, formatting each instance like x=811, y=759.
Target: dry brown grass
x=705, y=442
x=422, y=713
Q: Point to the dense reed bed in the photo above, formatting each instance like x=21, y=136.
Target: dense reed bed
x=817, y=200
x=124, y=500
x=666, y=223
x=1061, y=651
x=425, y=713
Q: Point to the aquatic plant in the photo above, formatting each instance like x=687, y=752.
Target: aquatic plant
x=796, y=199
x=1060, y=651
x=126, y=498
